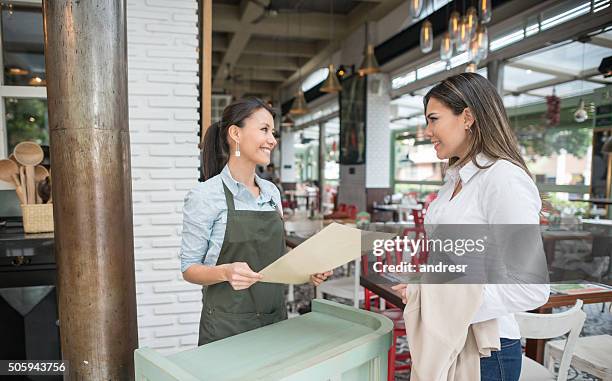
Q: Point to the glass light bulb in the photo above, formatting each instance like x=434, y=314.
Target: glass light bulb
x=482, y=38
x=471, y=68
x=453, y=24
x=463, y=38
x=472, y=20
x=484, y=8
x=416, y=6
x=446, y=47
x=426, y=37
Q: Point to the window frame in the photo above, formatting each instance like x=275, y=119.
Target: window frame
x=20, y=92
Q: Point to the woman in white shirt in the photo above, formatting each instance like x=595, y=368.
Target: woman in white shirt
x=487, y=182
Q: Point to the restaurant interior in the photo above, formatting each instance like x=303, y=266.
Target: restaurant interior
x=346, y=79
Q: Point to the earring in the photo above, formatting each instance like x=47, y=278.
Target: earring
x=237, y=153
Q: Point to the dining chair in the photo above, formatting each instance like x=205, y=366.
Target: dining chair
x=592, y=354
x=548, y=326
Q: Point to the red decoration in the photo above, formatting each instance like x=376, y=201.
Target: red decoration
x=553, y=110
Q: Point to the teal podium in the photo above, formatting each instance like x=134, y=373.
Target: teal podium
x=333, y=342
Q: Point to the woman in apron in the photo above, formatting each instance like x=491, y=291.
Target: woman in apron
x=232, y=226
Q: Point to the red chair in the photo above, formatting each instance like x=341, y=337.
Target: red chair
x=395, y=314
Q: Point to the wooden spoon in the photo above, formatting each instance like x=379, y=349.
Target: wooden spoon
x=29, y=154
x=12, y=157
x=8, y=168
x=40, y=174
x=8, y=172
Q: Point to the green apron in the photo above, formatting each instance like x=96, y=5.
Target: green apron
x=257, y=238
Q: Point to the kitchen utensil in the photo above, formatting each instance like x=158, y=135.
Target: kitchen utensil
x=12, y=157
x=19, y=190
x=44, y=190
x=40, y=173
x=8, y=172
x=22, y=181
x=8, y=168
x=29, y=154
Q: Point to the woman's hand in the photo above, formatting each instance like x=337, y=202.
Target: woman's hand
x=240, y=276
x=317, y=279
x=401, y=288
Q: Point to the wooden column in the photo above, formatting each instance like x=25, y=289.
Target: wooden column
x=205, y=57
x=86, y=62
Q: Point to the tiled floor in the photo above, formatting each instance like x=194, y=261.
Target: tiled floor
x=597, y=323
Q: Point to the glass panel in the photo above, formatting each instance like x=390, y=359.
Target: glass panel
x=521, y=100
x=415, y=159
x=23, y=44
x=26, y=119
x=567, y=58
x=307, y=155
x=568, y=89
x=514, y=78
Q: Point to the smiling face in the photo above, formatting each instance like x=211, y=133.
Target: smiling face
x=255, y=137
x=448, y=132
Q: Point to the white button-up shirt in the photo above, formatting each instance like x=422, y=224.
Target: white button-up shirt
x=500, y=194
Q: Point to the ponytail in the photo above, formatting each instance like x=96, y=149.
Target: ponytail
x=215, y=150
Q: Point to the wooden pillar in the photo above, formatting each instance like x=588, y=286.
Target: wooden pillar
x=86, y=63
x=205, y=57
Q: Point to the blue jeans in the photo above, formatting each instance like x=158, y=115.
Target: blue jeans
x=503, y=365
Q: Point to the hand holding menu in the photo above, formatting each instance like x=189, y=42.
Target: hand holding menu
x=330, y=248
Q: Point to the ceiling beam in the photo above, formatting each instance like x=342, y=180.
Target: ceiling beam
x=248, y=11
x=289, y=25
x=258, y=74
x=266, y=62
x=540, y=69
x=271, y=47
x=357, y=17
x=601, y=41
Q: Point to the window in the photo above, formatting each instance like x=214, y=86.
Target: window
x=23, y=103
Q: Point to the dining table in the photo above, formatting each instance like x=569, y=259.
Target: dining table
x=381, y=284
x=397, y=209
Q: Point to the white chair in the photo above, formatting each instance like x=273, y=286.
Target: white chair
x=592, y=354
x=345, y=287
x=548, y=326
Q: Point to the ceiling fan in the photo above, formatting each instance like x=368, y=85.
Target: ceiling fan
x=269, y=11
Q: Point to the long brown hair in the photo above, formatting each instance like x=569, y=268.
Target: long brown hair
x=491, y=133
x=216, y=150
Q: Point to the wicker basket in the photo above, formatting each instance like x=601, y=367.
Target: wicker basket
x=37, y=218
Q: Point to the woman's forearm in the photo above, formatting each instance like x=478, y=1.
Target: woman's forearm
x=205, y=275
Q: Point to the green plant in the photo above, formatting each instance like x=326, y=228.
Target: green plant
x=26, y=119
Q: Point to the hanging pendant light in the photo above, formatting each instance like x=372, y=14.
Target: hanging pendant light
x=369, y=64
x=482, y=39
x=453, y=24
x=446, y=47
x=463, y=38
x=484, y=8
x=287, y=122
x=472, y=21
x=474, y=51
x=581, y=115
x=471, y=68
x=426, y=41
x=415, y=7
x=299, y=106
x=332, y=84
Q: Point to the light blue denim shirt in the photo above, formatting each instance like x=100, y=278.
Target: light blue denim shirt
x=205, y=215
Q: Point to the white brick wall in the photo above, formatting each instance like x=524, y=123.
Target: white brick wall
x=378, y=134
x=162, y=70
